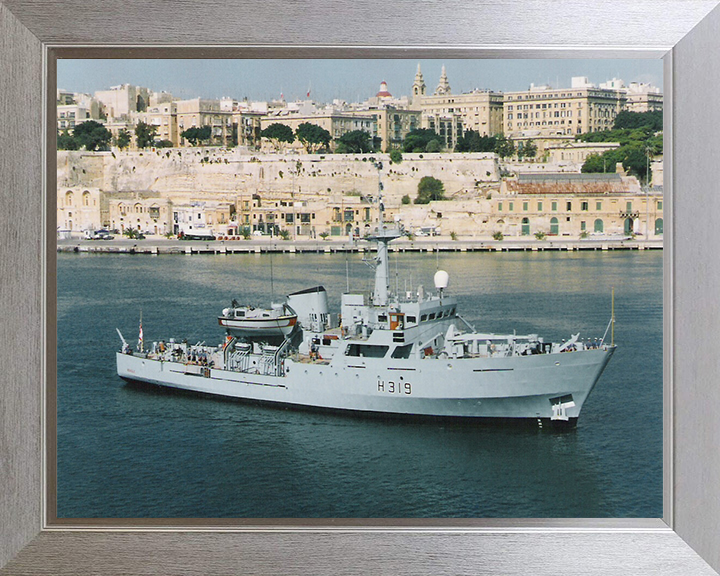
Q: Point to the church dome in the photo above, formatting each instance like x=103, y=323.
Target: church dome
x=383, y=91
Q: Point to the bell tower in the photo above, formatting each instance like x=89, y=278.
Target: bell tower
x=443, y=88
x=418, y=87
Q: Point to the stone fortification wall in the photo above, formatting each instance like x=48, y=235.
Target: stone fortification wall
x=167, y=172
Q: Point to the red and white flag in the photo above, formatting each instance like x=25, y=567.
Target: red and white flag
x=140, y=335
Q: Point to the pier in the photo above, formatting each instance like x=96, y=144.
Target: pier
x=330, y=246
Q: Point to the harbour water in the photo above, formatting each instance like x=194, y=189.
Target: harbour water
x=130, y=451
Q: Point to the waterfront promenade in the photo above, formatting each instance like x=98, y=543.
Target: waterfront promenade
x=160, y=245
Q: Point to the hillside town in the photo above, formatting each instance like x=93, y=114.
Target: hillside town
x=535, y=164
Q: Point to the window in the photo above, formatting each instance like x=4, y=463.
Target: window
x=554, y=206
x=583, y=226
x=554, y=227
x=511, y=206
x=366, y=351
x=629, y=206
x=569, y=206
x=584, y=206
x=499, y=206
x=411, y=319
x=659, y=205
x=526, y=205
x=432, y=316
x=423, y=318
x=598, y=225
x=659, y=227
x=539, y=206
x=402, y=351
x=525, y=227
x=598, y=206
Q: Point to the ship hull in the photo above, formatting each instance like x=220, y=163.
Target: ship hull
x=495, y=389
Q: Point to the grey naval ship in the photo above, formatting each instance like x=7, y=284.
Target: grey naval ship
x=384, y=354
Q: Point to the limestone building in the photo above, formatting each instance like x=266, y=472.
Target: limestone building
x=545, y=111
x=200, y=112
x=451, y=115
x=163, y=117
x=120, y=101
x=80, y=209
x=145, y=212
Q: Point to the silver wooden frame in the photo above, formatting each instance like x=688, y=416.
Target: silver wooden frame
x=34, y=33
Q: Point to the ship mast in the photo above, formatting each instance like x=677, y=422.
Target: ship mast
x=383, y=236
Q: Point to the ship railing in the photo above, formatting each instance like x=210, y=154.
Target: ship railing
x=239, y=361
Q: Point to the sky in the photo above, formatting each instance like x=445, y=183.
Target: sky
x=349, y=80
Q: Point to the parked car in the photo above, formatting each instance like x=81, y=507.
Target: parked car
x=101, y=235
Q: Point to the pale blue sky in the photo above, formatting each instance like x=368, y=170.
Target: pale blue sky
x=350, y=80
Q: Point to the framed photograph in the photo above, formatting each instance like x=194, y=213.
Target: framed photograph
x=318, y=285
x=592, y=546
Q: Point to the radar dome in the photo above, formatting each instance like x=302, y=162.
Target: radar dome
x=441, y=279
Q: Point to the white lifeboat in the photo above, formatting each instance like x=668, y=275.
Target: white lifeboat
x=249, y=321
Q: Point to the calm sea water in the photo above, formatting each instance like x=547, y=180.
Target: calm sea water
x=133, y=451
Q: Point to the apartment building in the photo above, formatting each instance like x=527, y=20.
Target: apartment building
x=545, y=111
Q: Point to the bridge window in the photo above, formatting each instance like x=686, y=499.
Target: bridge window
x=402, y=351
x=366, y=351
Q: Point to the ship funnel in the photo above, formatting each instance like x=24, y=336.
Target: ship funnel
x=311, y=307
x=442, y=279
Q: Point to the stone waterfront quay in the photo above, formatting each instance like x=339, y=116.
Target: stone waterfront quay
x=260, y=246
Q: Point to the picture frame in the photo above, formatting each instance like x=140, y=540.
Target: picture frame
x=684, y=541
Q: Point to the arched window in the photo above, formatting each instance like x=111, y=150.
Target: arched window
x=86, y=198
x=138, y=208
x=658, y=227
x=526, y=226
x=599, y=227
x=68, y=198
x=554, y=228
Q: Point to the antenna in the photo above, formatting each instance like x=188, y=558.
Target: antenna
x=397, y=279
x=272, y=283
x=612, y=318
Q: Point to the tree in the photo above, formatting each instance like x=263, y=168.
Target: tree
x=527, y=150
x=432, y=146
x=471, y=141
x=652, y=119
x=405, y=199
x=145, y=134
x=632, y=157
x=92, y=135
x=312, y=137
x=395, y=156
x=278, y=133
x=66, y=141
x=504, y=147
x=418, y=139
x=429, y=189
x=123, y=139
x=163, y=144
x=196, y=135
x=354, y=142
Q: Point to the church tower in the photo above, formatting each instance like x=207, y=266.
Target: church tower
x=418, y=88
x=443, y=88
